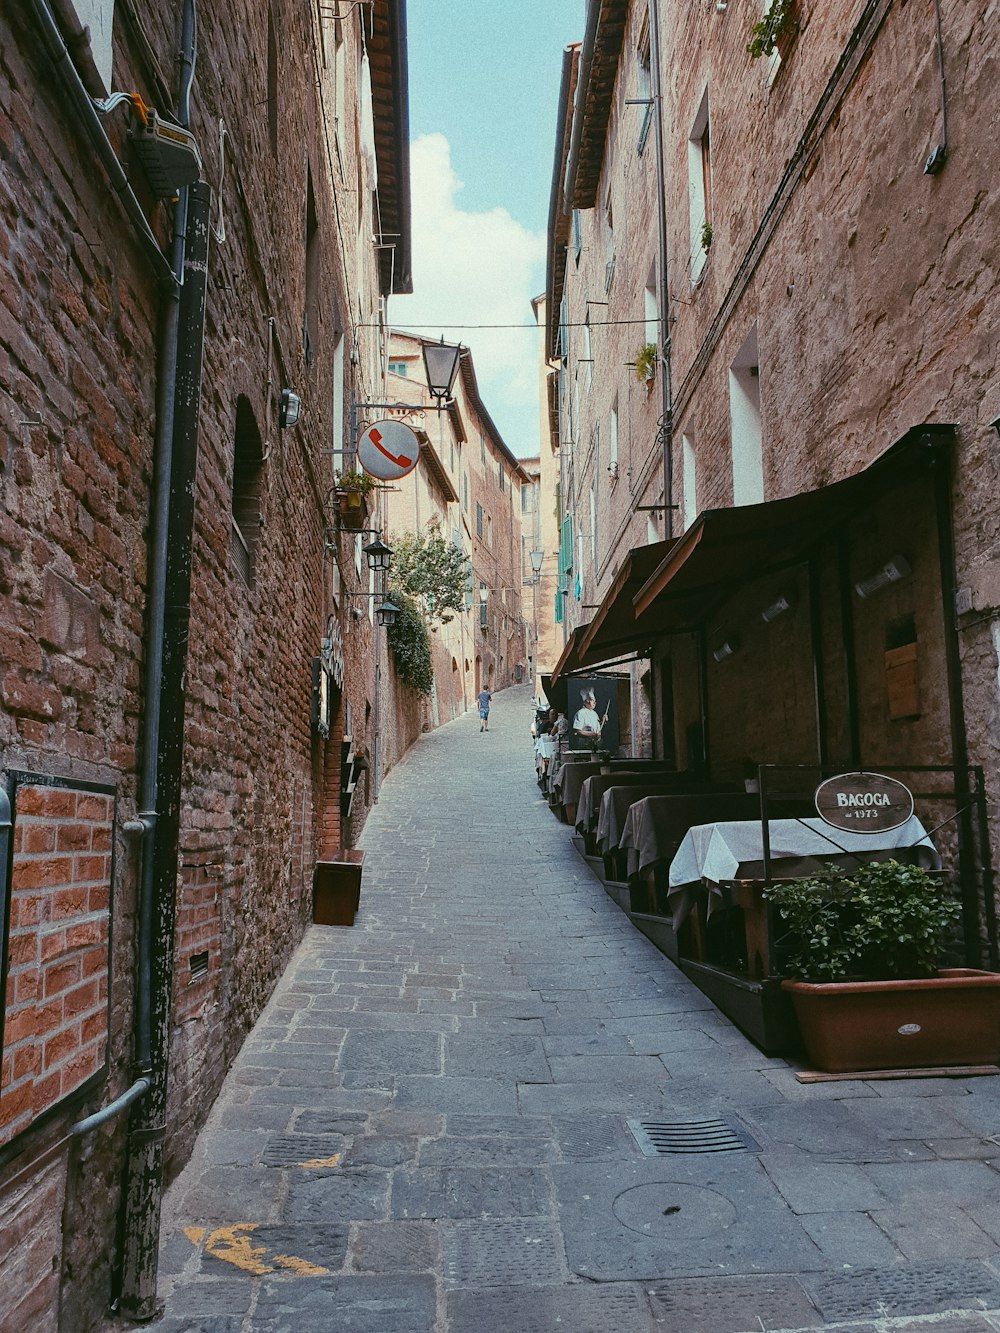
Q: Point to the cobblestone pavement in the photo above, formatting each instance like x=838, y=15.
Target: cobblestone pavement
x=427, y=1130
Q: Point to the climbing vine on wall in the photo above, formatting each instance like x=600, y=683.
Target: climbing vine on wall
x=410, y=644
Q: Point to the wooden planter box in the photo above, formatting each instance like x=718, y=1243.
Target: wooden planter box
x=950, y=1019
x=337, y=889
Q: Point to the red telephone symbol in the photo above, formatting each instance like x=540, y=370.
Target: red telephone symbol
x=376, y=439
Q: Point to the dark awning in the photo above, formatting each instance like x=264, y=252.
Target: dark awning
x=672, y=586
x=725, y=549
x=613, y=629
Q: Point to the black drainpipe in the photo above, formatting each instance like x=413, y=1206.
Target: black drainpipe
x=182, y=343
x=144, y=1174
x=667, y=414
x=956, y=710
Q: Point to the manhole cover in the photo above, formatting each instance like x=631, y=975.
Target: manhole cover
x=662, y=1138
x=673, y=1210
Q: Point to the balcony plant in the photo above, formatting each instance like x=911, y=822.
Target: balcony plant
x=776, y=29
x=861, y=955
x=352, y=488
x=707, y=232
x=645, y=363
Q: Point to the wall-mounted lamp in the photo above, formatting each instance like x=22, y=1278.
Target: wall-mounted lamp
x=893, y=571
x=288, y=409
x=781, y=604
x=536, y=558
x=379, y=555
x=725, y=649
x=441, y=366
x=484, y=593
x=387, y=613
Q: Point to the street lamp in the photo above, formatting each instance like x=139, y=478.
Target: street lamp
x=441, y=366
x=387, y=613
x=536, y=558
x=379, y=555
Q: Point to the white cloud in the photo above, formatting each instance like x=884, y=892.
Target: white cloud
x=471, y=269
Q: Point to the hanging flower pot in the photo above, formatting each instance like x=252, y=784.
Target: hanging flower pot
x=351, y=507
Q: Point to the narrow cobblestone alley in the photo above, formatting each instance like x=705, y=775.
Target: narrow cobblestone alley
x=427, y=1130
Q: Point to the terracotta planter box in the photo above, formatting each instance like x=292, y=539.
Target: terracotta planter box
x=337, y=889
x=950, y=1019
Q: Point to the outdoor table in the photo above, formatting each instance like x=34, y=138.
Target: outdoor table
x=655, y=826
x=568, y=781
x=712, y=854
x=594, y=788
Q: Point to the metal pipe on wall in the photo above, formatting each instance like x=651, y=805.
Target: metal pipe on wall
x=169, y=565
x=667, y=415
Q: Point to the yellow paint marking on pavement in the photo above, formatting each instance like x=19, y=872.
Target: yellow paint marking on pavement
x=300, y=1266
x=322, y=1161
x=195, y=1234
x=233, y=1246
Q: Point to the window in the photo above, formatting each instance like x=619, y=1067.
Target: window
x=482, y=448
x=700, y=187
x=577, y=235
x=479, y=520
x=310, y=316
x=500, y=473
x=745, y=424
x=593, y=523
x=399, y=368
x=483, y=607
x=248, y=467
x=689, y=481
x=465, y=491
x=643, y=83
x=337, y=406
x=613, y=439
x=340, y=86
x=489, y=532
x=588, y=355
x=609, y=243
x=650, y=308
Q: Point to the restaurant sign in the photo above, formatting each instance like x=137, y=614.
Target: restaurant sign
x=863, y=802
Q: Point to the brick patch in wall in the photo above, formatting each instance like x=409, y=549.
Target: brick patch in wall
x=55, y=1029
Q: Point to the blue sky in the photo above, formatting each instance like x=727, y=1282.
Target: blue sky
x=484, y=84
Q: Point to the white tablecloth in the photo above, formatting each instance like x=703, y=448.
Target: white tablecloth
x=712, y=853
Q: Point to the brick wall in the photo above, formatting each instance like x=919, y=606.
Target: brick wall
x=55, y=1032
x=79, y=319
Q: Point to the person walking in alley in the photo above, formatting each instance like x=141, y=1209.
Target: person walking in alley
x=484, y=698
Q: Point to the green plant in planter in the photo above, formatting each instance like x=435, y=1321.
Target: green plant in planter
x=779, y=21
x=355, y=483
x=645, y=362
x=885, y=921
x=707, y=233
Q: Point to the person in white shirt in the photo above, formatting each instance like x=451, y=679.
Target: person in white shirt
x=587, y=726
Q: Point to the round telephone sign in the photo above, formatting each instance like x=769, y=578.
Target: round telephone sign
x=388, y=450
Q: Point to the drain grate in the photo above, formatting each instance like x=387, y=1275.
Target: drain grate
x=662, y=1138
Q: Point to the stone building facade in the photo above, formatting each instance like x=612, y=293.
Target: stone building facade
x=167, y=455
x=771, y=322
x=467, y=485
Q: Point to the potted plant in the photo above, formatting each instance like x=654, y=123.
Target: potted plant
x=707, y=232
x=351, y=490
x=776, y=30
x=645, y=363
x=861, y=956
